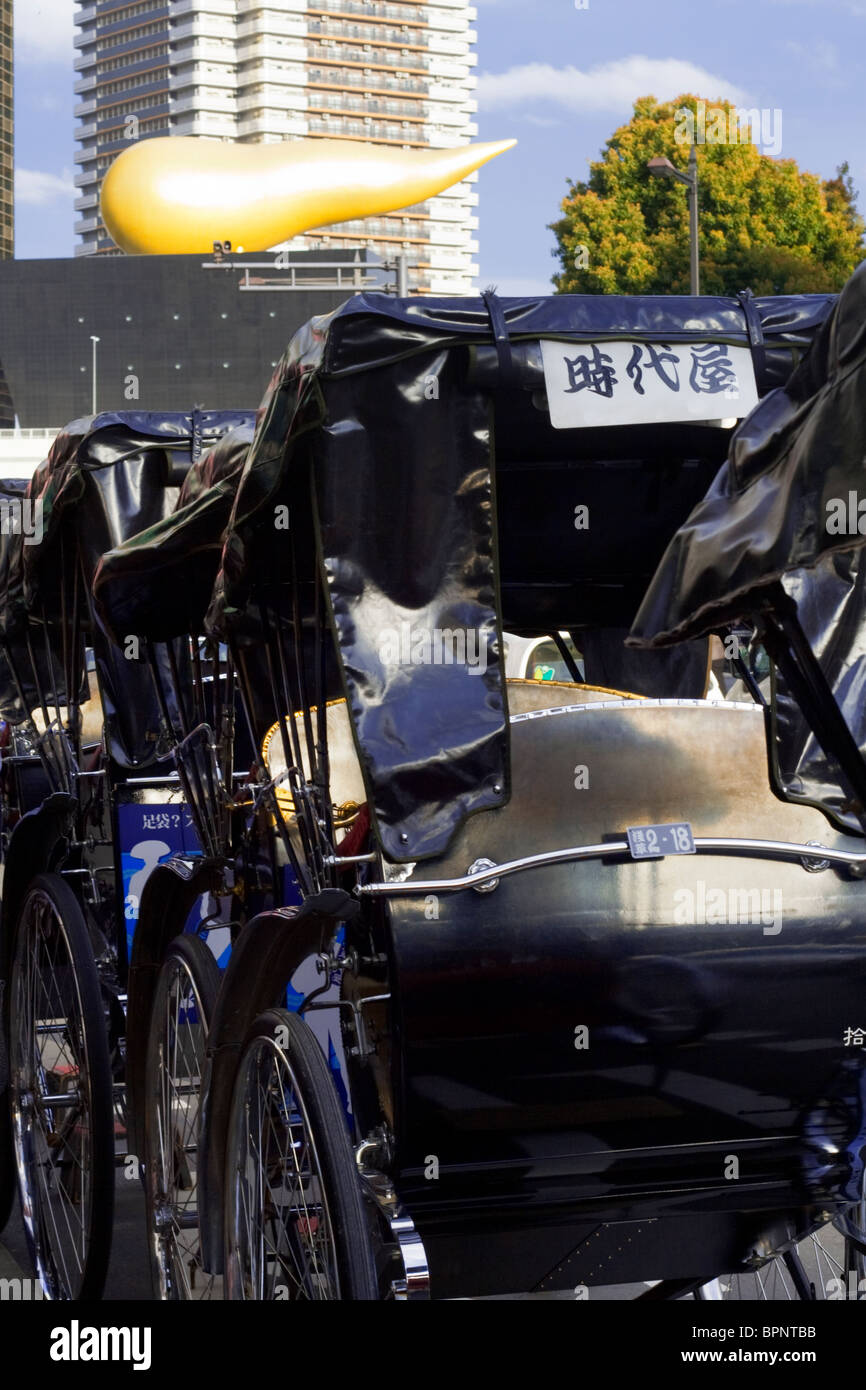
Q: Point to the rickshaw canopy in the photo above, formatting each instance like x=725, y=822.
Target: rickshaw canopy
x=786, y=512
x=405, y=452
x=106, y=479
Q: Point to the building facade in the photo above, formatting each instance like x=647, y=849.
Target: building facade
x=171, y=332
x=392, y=72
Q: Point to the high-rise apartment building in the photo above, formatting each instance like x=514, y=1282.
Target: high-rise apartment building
x=392, y=72
x=7, y=135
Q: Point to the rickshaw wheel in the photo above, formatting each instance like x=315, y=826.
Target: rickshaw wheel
x=61, y=1093
x=854, y=1258
x=295, y=1223
x=7, y=1161
x=183, y=1005
x=824, y=1265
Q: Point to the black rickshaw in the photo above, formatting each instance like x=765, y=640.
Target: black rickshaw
x=87, y=812
x=591, y=950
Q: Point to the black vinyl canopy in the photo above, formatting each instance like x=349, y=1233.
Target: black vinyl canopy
x=788, y=511
x=771, y=510
x=408, y=448
x=106, y=479
x=158, y=583
x=15, y=659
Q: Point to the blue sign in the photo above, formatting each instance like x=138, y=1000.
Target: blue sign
x=149, y=835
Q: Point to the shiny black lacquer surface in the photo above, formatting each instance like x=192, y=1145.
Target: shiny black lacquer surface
x=598, y=1040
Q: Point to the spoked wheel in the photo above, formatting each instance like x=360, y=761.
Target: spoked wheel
x=823, y=1266
x=183, y=1005
x=295, y=1225
x=7, y=1161
x=855, y=1257
x=61, y=1093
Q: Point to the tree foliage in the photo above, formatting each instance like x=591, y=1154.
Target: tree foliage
x=764, y=224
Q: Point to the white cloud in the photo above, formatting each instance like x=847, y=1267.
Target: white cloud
x=37, y=188
x=822, y=55
x=608, y=87
x=44, y=30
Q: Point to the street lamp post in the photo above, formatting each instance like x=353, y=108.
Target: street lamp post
x=94, y=341
x=661, y=167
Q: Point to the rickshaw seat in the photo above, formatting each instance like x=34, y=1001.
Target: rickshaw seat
x=92, y=716
x=347, y=782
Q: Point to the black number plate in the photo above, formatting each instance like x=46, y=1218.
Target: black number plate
x=655, y=841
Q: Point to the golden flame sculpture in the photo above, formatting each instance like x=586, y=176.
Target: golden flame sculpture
x=181, y=193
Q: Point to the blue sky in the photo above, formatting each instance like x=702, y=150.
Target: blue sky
x=556, y=77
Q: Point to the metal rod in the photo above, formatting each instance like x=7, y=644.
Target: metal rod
x=694, y=255
x=789, y=647
x=570, y=663
x=761, y=849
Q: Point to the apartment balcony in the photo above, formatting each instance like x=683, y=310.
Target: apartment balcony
x=86, y=132
x=449, y=48
x=223, y=8
x=378, y=132
x=269, y=51
x=91, y=201
x=339, y=78
x=371, y=9
x=269, y=71
x=224, y=106
x=382, y=108
x=87, y=84
x=199, y=49
x=370, y=57
x=287, y=24
x=84, y=108
x=440, y=67
x=271, y=122
x=271, y=96
x=207, y=127
x=193, y=75
x=201, y=27
x=368, y=33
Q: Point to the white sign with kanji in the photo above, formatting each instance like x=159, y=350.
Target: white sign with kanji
x=640, y=383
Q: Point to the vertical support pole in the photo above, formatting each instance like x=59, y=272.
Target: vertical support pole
x=694, y=261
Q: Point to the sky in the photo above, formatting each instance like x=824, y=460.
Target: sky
x=557, y=75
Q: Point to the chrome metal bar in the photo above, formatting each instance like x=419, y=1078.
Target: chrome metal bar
x=761, y=849
x=150, y=781
x=334, y=861
x=67, y=1100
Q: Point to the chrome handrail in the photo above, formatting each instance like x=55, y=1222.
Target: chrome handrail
x=809, y=854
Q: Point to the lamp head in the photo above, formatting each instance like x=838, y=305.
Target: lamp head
x=661, y=167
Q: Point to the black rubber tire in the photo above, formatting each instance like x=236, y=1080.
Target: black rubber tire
x=191, y=956
x=49, y=893
x=8, y=1176
x=301, y=1059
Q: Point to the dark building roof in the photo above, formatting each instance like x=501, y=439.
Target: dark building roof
x=170, y=329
